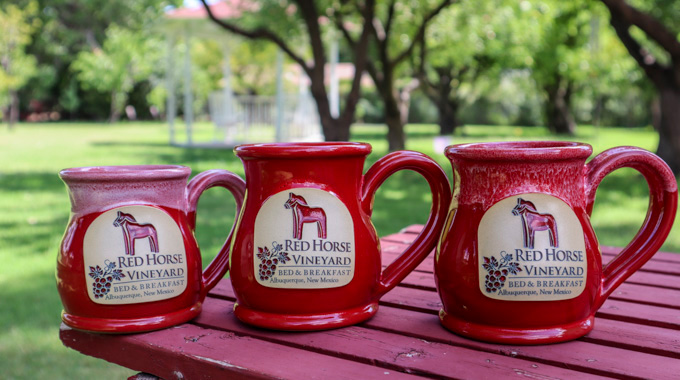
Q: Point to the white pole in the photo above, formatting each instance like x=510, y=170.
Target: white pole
x=228, y=105
x=335, y=81
x=171, y=107
x=188, y=94
x=279, y=96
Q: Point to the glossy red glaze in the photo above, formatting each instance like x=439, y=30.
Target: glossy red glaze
x=491, y=172
x=96, y=190
x=335, y=169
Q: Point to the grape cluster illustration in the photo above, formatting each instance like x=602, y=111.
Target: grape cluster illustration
x=103, y=278
x=270, y=259
x=498, y=271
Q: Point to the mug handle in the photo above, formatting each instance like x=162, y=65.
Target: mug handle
x=210, y=178
x=441, y=199
x=663, y=201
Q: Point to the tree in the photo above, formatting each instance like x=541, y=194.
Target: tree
x=16, y=67
x=466, y=43
x=660, y=63
x=68, y=27
x=616, y=89
x=560, y=62
x=396, y=29
x=125, y=58
x=278, y=22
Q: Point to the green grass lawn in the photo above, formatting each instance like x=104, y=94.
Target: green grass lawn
x=34, y=209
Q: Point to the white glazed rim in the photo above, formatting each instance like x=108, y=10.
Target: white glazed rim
x=520, y=150
x=124, y=173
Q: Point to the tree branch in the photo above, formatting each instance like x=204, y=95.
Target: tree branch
x=425, y=82
x=340, y=25
x=360, y=60
x=648, y=24
x=653, y=70
x=390, y=17
x=421, y=30
x=310, y=16
x=259, y=33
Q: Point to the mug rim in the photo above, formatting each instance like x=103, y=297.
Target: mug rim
x=303, y=149
x=124, y=172
x=520, y=150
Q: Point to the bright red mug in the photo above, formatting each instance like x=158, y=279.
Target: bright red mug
x=305, y=255
x=128, y=261
x=518, y=261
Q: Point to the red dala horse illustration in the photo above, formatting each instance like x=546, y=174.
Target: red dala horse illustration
x=533, y=221
x=133, y=231
x=303, y=213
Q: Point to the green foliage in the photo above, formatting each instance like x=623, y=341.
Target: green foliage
x=16, y=28
x=471, y=43
x=68, y=99
x=254, y=68
x=66, y=28
x=125, y=58
x=557, y=39
x=252, y=65
x=616, y=90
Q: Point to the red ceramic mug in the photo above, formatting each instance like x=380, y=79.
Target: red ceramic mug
x=305, y=255
x=128, y=261
x=518, y=261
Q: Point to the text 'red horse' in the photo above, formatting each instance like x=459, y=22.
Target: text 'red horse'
x=133, y=231
x=533, y=221
x=302, y=214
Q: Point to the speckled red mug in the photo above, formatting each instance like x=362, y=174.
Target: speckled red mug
x=128, y=261
x=305, y=255
x=518, y=261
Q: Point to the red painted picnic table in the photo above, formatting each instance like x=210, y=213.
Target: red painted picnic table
x=636, y=335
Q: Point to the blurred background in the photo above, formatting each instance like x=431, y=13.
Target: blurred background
x=111, y=82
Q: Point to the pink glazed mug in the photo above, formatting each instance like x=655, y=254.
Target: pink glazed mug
x=129, y=261
x=518, y=261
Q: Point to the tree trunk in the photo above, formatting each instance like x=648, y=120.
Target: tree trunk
x=448, y=115
x=115, y=111
x=443, y=96
x=599, y=109
x=335, y=129
x=396, y=138
x=13, y=108
x=558, y=109
x=404, y=103
x=666, y=113
x=668, y=122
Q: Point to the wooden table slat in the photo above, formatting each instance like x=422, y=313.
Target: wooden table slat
x=665, y=281
x=643, y=315
x=193, y=352
x=423, y=357
x=581, y=354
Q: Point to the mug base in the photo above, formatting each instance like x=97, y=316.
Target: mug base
x=130, y=325
x=523, y=336
x=304, y=322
